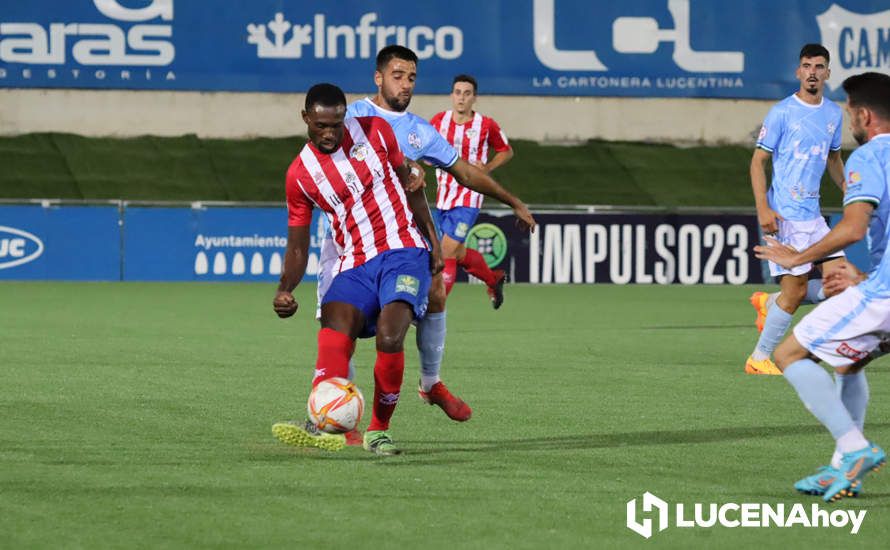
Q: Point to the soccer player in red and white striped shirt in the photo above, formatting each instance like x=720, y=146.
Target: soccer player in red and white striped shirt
x=353, y=170
x=472, y=134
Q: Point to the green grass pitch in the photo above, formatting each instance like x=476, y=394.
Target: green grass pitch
x=138, y=416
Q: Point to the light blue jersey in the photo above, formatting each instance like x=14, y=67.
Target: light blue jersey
x=799, y=136
x=868, y=180
x=417, y=137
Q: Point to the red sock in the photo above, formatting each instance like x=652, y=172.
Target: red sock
x=388, y=371
x=449, y=274
x=474, y=264
x=334, y=351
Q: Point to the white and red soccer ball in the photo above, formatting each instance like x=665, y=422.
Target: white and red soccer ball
x=335, y=405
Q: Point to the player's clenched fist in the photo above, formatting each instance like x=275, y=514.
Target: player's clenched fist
x=284, y=304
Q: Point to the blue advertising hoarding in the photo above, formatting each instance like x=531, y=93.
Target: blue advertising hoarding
x=77, y=243
x=643, y=48
x=201, y=243
x=210, y=244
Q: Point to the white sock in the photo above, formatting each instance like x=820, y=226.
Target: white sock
x=836, y=458
x=427, y=382
x=759, y=355
x=851, y=441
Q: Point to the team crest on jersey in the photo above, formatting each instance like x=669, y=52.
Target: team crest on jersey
x=414, y=141
x=471, y=133
x=407, y=283
x=360, y=151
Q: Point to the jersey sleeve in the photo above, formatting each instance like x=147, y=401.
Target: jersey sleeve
x=396, y=157
x=864, y=182
x=437, y=151
x=836, y=138
x=497, y=138
x=437, y=119
x=299, y=207
x=771, y=131
x=357, y=109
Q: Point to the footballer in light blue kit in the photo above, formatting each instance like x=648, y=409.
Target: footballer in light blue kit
x=849, y=329
x=395, y=74
x=802, y=135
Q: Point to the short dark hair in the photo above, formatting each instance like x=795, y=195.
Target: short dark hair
x=394, y=51
x=465, y=78
x=814, y=50
x=325, y=94
x=870, y=90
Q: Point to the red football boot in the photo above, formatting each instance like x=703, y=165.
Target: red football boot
x=453, y=406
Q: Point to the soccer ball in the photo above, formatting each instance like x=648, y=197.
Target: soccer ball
x=335, y=405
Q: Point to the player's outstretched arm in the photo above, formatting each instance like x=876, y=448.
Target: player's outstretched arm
x=421, y=210
x=766, y=216
x=477, y=180
x=852, y=228
x=296, y=256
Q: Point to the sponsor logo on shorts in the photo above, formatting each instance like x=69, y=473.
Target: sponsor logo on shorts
x=461, y=229
x=488, y=239
x=407, y=283
x=851, y=353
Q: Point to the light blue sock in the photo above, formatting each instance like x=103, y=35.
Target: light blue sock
x=431, y=345
x=351, y=374
x=853, y=391
x=774, y=328
x=820, y=396
x=815, y=293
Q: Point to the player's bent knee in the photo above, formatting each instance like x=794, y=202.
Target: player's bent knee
x=390, y=341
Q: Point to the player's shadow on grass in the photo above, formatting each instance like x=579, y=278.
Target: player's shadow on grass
x=613, y=440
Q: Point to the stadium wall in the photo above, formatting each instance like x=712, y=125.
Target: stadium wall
x=128, y=113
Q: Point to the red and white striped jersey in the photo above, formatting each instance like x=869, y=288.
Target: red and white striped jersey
x=356, y=186
x=471, y=140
